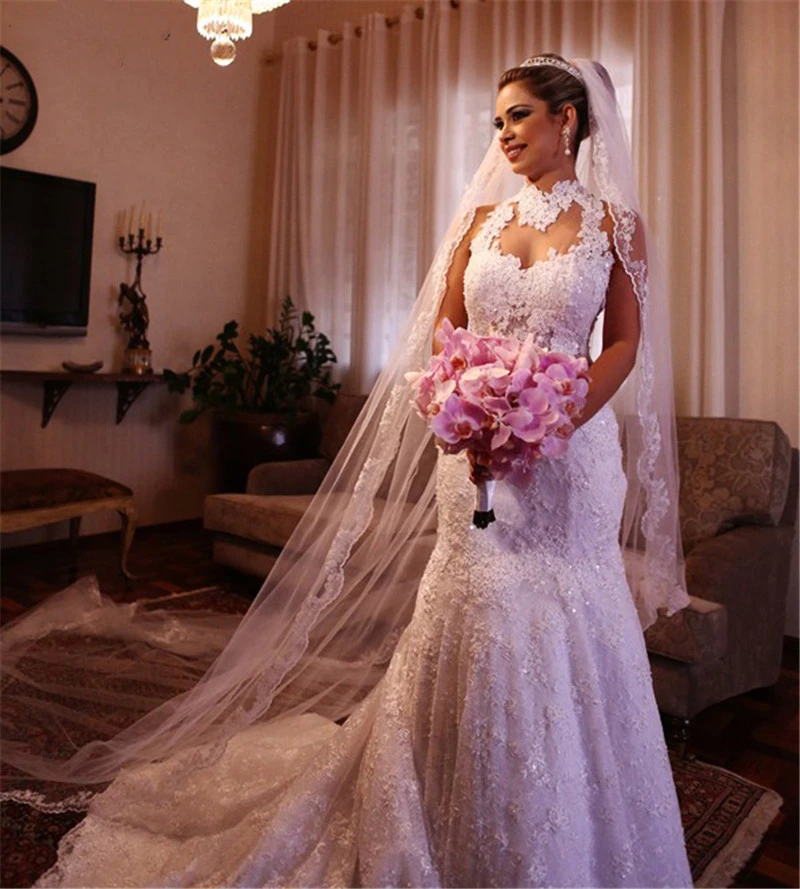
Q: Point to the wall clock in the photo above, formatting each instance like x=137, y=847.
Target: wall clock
x=18, y=102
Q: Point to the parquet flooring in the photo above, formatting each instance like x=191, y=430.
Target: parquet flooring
x=754, y=735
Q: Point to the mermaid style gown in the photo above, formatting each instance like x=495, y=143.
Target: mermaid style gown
x=514, y=739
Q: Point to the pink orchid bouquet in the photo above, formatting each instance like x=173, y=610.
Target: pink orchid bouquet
x=507, y=401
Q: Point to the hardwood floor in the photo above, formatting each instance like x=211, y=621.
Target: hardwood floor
x=754, y=735
x=165, y=559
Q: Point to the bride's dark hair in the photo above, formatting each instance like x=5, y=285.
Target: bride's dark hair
x=556, y=87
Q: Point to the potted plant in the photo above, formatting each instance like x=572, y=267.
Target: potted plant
x=261, y=398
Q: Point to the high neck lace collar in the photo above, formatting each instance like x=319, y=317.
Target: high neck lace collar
x=539, y=208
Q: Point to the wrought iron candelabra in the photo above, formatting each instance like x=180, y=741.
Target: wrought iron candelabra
x=138, y=357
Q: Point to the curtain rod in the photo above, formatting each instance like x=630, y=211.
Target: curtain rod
x=336, y=36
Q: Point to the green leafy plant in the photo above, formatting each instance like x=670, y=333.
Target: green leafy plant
x=288, y=363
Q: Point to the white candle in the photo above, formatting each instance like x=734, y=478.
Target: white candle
x=149, y=226
x=130, y=219
x=158, y=225
x=141, y=217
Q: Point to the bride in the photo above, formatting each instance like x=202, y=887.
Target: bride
x=410, y=700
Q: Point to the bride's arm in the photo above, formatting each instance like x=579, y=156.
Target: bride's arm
x=452, y=306
x=620, y=334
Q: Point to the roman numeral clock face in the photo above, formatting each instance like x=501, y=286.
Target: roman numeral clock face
x=18, y=103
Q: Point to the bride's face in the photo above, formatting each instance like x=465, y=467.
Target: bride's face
x=529, y=135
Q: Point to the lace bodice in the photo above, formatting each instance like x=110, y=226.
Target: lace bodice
x=557, y=298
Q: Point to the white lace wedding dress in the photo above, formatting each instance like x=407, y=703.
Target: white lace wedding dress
x=513, y=741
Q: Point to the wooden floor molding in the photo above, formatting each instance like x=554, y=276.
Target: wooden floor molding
x=754, y=735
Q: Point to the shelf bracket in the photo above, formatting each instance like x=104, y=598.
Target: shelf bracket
x=127, y=393
x=53, y=393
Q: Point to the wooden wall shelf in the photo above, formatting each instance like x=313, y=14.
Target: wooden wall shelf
x=55, y=383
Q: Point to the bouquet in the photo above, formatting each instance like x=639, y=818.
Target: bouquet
x=508, y=402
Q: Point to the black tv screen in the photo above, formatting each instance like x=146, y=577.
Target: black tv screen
x=46, y=228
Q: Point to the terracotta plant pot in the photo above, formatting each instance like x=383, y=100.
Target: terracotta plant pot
x=243, y=441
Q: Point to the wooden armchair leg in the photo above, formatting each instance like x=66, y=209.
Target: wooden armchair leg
x=128, y=516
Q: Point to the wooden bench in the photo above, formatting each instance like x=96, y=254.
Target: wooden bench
x=30, y=498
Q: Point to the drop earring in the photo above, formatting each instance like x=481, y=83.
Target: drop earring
x=565, y=134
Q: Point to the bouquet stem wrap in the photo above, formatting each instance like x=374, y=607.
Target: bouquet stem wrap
x=484, y=496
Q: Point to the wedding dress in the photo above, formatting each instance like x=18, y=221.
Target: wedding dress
x=408, y=700
x=514, y=739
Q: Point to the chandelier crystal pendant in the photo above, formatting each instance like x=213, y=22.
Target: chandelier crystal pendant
x=224, y=21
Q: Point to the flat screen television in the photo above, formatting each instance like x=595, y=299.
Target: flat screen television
x=46, y=229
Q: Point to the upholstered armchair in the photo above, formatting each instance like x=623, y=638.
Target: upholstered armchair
x=738, y=514
x=250, y=529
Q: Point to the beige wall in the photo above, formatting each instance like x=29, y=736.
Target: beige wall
x=130, y=99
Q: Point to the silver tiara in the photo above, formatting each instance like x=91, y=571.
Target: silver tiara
x=535, y=61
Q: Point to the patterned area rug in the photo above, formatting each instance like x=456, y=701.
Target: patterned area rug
x=724, y=815
x=724, y=818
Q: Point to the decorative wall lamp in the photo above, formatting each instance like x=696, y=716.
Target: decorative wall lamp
x=224, y=21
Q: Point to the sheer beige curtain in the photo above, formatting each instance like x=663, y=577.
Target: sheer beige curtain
x=761, y=47
x=678, y=149
x=715, y=137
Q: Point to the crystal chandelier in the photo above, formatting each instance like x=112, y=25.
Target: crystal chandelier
x=224, y=21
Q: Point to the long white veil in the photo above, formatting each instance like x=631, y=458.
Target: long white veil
x=317, y=638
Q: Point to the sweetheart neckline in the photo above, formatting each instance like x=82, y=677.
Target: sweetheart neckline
x=552, y=255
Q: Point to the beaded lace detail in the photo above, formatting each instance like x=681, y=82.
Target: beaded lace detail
x=541, y=208
x=558, y=298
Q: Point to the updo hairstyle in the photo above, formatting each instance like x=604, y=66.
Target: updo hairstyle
x=557, y=88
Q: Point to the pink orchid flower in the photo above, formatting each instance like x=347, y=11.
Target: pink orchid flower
x=528, y=357
x=483, y=381
x=458, y=420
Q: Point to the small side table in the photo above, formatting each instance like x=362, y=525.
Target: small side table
x=30, y=498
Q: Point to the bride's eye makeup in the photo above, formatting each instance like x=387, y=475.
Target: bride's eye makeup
x=517, y=114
